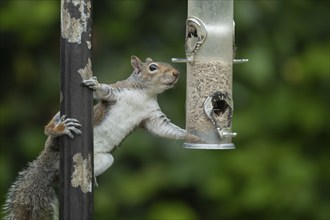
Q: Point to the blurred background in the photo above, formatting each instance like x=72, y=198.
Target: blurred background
x=280, y=168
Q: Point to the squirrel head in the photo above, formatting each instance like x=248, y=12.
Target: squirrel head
x=156, y=77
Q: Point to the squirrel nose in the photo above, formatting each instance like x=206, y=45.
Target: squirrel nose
x=175, y=73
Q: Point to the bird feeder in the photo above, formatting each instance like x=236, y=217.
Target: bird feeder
x=209, y=47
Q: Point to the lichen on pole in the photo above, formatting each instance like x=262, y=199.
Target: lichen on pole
x=76, y=155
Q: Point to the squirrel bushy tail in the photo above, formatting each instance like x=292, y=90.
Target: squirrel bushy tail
x=32, y=195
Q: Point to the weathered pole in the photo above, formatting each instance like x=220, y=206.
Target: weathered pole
x=76, y=155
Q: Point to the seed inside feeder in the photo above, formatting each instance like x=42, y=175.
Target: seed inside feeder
x=209, y=79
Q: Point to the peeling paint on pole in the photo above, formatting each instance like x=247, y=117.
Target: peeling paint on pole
x=82, y=175
x=87, y=72
x=72, y=27
x=89, y=44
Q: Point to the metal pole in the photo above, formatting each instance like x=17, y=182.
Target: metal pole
x=76, y=155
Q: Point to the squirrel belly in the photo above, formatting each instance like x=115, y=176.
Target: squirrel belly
x=119, y=121
x=130, y=109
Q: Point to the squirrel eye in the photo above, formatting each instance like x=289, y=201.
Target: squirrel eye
x=153, y=67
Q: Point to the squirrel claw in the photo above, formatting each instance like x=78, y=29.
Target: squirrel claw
x=91, y=83
x=71, y=126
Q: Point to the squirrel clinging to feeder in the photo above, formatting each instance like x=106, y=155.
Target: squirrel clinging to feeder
x=121, y=108
x=129, y=104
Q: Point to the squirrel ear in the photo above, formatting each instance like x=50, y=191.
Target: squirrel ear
x=149, y=59
x=136, y=64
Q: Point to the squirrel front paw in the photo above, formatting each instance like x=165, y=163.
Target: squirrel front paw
x=62, y=126
x=69, y=126
x=91, y=83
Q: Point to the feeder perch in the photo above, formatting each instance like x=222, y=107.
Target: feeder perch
x=210, y=49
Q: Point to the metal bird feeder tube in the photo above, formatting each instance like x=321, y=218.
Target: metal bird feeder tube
x=209, y=47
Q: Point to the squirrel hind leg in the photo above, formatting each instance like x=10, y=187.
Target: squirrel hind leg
x=62, y=126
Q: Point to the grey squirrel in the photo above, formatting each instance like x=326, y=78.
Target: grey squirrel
x=121, y=108
x=129, y=104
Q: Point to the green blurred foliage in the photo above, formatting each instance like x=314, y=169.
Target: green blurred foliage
x=280, y=169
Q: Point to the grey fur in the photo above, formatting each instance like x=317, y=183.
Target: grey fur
x=31, y=196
